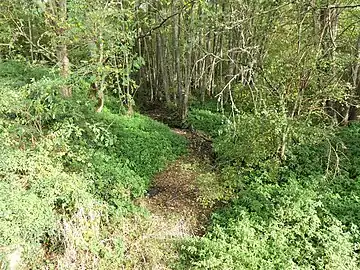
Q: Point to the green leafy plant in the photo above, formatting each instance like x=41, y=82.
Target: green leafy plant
x=206, y=121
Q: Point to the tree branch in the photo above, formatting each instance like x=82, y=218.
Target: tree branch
x=341, y=7
x=149, y=33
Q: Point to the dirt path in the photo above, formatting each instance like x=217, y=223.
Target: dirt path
x=175, y=191
x=175, y=196
x=176, y=212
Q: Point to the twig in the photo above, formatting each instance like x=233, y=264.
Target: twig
x=149, y=33
x=341, y=7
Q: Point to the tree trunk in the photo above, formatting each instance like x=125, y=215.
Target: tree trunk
x=163, y=70
x=64, y=64
x=57, y=19
x=355, y=70
x=100, y=90
x=149, y=70
x=189, y=67
x=177, y=56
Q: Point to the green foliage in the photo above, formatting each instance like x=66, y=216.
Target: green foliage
x=115, y=182
x=25, y=220
x=69, y=174
x=211, y=105
x=287, y=183
x=298, y=213
x=138, y=142
x=36, y=194
x=20, y=73
x=251, y=140
x=207, y=121
x=43, y=102
x=115, y=105
x=350, y=138
x=273, y=228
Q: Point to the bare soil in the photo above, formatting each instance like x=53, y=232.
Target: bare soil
x=175, y=192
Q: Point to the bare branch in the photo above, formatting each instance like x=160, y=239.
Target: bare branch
x=149, y=33
x=341, y=7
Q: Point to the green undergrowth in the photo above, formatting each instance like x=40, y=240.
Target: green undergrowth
x=69, y=175
x=207, y=121
x=299, y=213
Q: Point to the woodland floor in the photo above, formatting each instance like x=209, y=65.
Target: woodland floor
x=175, y=191
x=176, y=211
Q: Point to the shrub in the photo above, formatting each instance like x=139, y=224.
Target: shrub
x=68, y=173
x=298, y=213
x=19, y=73
x=114, y=181
x=146, y=144
x=251, y=140
x=25, y=222
x=274, y=228
x=207, y=121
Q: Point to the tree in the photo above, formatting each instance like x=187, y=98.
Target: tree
x=56, y=15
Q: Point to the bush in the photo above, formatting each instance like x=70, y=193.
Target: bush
x=298, y=213
x=36, y=195
x=19, y=73
x=25, y=222
x=66, y=171
x=274, y=228
x=207, y=121
x=251, y=140
x=114, y=181
x=146, y=144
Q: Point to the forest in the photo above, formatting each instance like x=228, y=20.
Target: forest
x=188, y=134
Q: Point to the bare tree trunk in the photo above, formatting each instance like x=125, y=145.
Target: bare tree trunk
x=149, y=71
x=100, y=89
x=64, y=64
x=327, y=46
x=31, y=39
x=177, y=58
x=206, y=70
x=163, y=69
x=156, y=68
x=100, y=95
x=189, y=67
x=58, y=11
x=63, y=51
x=355, y=72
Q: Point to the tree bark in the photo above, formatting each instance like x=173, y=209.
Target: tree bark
x=177, y=56
x=355, y=70
x=163, y=70
x=57, y=19
x=64, y=64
